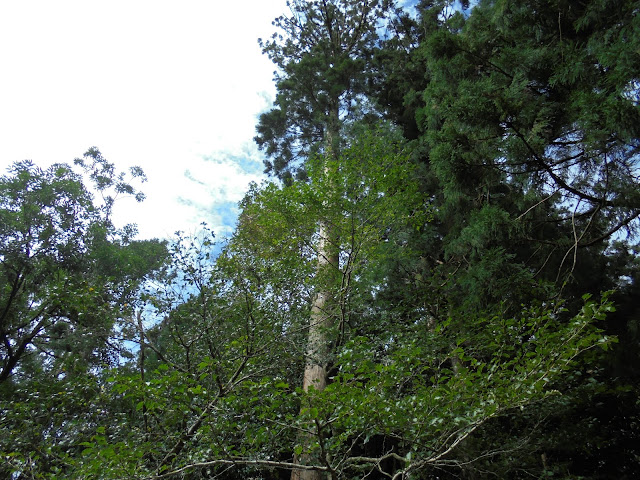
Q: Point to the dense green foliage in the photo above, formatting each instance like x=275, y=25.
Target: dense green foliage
x=69, y=280
x=324, y=53
x=480, y=186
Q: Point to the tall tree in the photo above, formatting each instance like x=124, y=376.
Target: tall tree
x=323, y=59
x=530, y=130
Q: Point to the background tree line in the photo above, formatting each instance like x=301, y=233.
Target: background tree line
x=439, y=281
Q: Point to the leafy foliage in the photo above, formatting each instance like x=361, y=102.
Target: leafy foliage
x=505, y=181
x=68, y=279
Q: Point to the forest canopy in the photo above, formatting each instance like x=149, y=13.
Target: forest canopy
x=438, y=280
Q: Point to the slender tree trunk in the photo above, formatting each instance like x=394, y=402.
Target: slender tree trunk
x=321, y=320
x=318, y=345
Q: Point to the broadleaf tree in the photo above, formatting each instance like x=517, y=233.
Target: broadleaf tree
x=68, y=279
x=403, y=394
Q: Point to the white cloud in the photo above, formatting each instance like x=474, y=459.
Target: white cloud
x=159, y=84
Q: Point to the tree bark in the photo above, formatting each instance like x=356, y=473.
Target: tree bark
x=321, y=322
x=318, y=347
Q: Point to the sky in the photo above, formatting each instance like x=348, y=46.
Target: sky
x=174, y=87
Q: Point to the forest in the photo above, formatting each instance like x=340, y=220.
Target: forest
x=438, y=280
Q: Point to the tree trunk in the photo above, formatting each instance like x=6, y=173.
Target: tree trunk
x=318, y=345
x=321, y=322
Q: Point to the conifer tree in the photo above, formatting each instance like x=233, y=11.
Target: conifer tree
x=323, y=59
